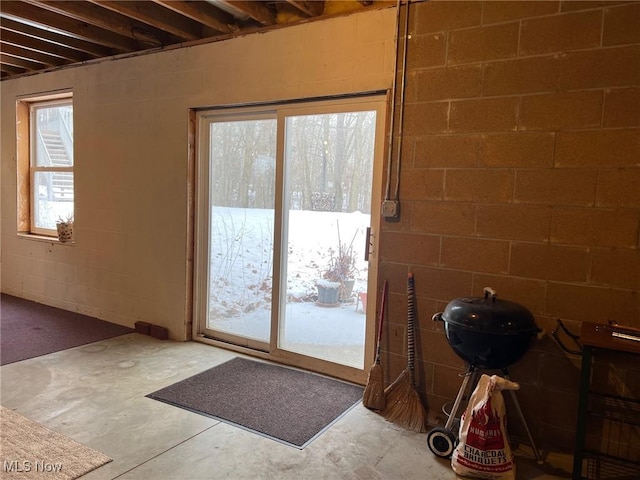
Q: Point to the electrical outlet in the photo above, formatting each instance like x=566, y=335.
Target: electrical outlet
x=390, y=209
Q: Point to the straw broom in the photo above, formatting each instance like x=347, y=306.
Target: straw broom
x=373, y=396
x=404, y=406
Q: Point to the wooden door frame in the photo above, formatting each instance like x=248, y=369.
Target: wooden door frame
x=195, y=234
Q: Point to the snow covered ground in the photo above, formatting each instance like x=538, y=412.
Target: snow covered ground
x=241, y=280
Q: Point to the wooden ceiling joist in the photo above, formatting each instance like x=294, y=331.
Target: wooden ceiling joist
x=69, y=26
x=42, y=46
x=9, y=69
x=312, y=9
x=52, y=37
x=38, y=35
x=31, y=55
x=259, y=11
x=202, y=12
x=21, y=62
x=156, y=16
x=103, y=18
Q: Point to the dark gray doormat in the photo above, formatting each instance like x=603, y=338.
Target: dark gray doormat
x=281, y=403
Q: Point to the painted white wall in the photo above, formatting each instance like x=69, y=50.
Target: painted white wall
x=129, y=261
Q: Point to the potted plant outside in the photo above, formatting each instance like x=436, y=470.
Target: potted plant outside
x=328, y=293
x=338, y=279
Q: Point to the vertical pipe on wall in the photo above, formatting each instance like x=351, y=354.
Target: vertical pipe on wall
x=387, y=195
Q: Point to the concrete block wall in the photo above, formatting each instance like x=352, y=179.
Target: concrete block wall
x=520, y=171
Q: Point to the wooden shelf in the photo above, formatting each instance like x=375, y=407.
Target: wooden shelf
x=600, y=336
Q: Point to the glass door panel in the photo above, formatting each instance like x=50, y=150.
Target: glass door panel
x=329, y=170
x=241, y=192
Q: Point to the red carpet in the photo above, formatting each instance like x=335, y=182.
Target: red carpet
x=29, y=329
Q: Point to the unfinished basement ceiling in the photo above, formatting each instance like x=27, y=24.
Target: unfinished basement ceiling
x=38, y=35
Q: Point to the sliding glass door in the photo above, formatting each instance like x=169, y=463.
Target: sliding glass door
x=286, y=206
x=241, y=190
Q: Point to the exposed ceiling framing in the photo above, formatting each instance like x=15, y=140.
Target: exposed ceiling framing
x=38, y=35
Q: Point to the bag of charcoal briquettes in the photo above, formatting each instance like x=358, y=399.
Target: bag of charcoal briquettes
x=483, y=450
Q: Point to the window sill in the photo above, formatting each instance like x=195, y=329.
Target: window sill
x=44, y=238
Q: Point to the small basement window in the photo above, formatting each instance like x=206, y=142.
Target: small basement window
x=45, y=163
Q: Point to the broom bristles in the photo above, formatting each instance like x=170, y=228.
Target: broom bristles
x=404, y=407
x=373, y=396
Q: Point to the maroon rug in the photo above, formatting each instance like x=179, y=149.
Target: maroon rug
x=29, y=329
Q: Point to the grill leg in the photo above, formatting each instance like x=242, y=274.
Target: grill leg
x=536, y=453
x=470, y=373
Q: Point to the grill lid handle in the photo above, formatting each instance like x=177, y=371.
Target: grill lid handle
x=490, y=291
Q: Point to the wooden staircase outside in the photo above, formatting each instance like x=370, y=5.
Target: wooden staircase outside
x=62, y=182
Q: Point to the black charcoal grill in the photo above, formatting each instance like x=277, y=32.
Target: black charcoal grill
x=488, y=334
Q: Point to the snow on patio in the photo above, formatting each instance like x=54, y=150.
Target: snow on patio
x=241, y=279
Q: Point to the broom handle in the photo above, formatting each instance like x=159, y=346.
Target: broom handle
x=411, y=326
x=383, y=304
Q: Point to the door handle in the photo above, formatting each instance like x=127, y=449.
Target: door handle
x=368, y=244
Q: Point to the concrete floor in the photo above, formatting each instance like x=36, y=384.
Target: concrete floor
x=95, y=394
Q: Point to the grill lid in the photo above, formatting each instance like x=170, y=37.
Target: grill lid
x=489, y=315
